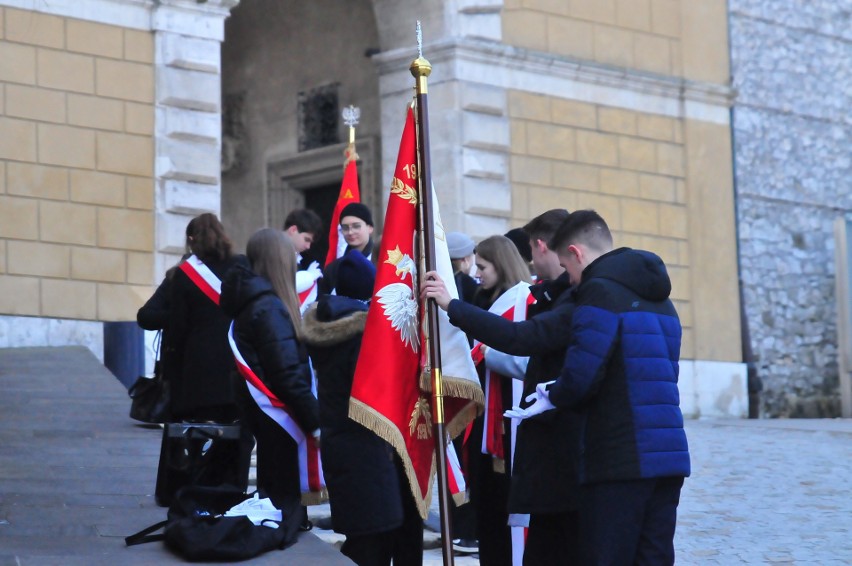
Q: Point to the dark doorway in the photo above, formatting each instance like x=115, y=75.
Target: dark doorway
x=321, y=200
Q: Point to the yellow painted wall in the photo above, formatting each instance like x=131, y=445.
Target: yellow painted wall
x=76, y=167
x=662, y=184
x=685, y=38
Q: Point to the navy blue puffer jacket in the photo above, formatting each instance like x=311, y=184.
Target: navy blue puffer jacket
x=267, y=340
x=621, y=371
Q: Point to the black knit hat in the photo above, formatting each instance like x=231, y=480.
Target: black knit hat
x=357, y=210
x=356, y=276
x=522, y=242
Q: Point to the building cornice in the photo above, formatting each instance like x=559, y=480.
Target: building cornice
x=188, y=17
x=510, y=67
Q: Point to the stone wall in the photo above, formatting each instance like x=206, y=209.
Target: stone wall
x=273, y=51
x=790, y=64
x=76, y=167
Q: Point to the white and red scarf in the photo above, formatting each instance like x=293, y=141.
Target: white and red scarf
x=307, y=287
x=203, y=277
x=511, y=305
x=311, y=478
x=455, y=477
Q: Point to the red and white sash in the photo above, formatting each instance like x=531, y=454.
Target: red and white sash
x=203, y=277
x=311, y=478
x=455, y=478
x=307, y=287
x=511, y=305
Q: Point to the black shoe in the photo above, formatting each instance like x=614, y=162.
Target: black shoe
x=465, y=545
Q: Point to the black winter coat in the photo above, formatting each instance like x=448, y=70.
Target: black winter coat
x=360, y=468
x=544, y=476
x=155, y=314
x=267, y=341
x=198, y=332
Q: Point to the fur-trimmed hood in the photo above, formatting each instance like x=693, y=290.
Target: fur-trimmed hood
x=333, y=320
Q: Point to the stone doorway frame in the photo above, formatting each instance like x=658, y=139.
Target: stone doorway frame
x=289, y=176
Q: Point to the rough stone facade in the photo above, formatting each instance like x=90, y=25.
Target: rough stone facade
x=790, y=66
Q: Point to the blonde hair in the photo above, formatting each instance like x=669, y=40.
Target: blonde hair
x=272, y=256
x=510, y=266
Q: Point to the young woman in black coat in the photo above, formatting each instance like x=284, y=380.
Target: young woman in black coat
x=202, y=387
x=267, y=332
x=371, y=502
x=499, y=267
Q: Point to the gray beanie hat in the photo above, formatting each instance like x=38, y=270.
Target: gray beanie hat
x=460, y=245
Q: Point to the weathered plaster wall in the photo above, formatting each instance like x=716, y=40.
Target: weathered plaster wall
x=792, y=131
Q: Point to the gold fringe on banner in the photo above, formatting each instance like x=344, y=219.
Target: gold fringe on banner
x=315, y=497
x=367, y=416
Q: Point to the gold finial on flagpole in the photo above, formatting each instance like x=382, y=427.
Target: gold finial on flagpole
x=351, y=116
x=420, y=68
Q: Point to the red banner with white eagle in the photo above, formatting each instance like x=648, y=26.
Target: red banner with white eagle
x=389, y=394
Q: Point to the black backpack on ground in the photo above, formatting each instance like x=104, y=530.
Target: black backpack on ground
x=196, y=531
x=208, y=454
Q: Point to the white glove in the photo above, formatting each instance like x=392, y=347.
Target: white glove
x=540, y=400
x=305, y=279
x=314, y=270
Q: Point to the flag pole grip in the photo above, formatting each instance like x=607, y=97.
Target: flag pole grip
x=420, y=70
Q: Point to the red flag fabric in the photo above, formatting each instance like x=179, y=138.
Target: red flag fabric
x=349, y=192
x=388, y=395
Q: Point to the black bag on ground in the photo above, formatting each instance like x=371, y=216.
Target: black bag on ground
x=196, y=531
x=199, y=454
x=150, y=398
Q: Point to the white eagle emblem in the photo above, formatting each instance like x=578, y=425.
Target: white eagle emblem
x=398, y=299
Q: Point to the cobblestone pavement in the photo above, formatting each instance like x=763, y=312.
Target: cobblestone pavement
x=761, y=492
x=767, y=492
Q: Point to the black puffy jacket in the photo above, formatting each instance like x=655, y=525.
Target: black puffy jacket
x=545, y=475
x=621, y=371
x=361, y=469
x=267, y=340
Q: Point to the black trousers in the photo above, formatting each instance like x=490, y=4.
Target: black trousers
x=403, y=545
x=490, y=499
x=553, y=540
x=629, y=522
x=463, y=517
x=277, y=467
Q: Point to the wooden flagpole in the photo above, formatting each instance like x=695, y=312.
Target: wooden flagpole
x=420, y=69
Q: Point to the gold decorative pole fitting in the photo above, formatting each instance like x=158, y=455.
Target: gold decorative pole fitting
x=351, y=115
x=420, y=68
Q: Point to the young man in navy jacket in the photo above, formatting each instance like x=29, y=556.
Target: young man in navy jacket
x=620, y=373
x=544, y=480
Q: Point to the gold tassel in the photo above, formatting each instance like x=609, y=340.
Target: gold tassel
x=368, y=417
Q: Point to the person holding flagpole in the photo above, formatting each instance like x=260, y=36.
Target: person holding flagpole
x=545, y=481
x=278, y=402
